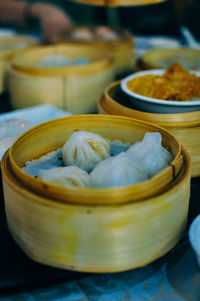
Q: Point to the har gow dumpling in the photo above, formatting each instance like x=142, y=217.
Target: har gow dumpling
x=54, y=60
x=116, y=171
x=85, y=150
x=70, y=176
x=150, y=154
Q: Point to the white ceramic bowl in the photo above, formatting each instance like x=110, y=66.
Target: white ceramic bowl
x=153, y=105
x=194, y=236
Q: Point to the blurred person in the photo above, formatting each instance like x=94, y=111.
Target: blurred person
x=52, y=19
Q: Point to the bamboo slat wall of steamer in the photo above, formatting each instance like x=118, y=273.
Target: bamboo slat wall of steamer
x=95, y=230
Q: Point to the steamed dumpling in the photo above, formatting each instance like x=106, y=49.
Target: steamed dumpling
x=85, y=150
x=120, y=170
x=70, y=176
x=150, y=154
x=82, y=34
x=54, y=60
x=59, y=60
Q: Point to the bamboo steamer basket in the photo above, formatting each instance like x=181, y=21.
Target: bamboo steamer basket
x=91, y=238
x=53, y=134
x=7, y=54
x=72, y=88
x=93, y=231
x=119, y=2
x=121, y=49
x=185, y=126
x=159, y=58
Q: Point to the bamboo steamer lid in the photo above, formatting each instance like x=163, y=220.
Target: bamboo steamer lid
x=9, y=46
x=72, y=88
x=53, y=134
x=90, y=238
x=159, y=58
x=121, y=49
x=119, y=2
x=185, y=126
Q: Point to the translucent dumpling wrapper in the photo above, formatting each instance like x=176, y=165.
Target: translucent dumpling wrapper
x=82, y=61
x=70, y=176
x=49, y=161
x=58, y=60
x=117, y=171
x=150, y=154
x=85, y=150
x=54, y=60
x=117, y=146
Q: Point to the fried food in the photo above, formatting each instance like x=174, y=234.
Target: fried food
x=175, y=84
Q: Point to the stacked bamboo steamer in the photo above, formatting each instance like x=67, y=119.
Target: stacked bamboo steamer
x=121, y=49
x=95, y=230
x=162, y=58
x=185, y=126
x=9, y=46
x=73, y=88
x=118, y=2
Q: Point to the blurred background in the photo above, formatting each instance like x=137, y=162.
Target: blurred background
x=158, y=19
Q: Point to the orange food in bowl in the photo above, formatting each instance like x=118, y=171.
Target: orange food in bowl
x=175, y=84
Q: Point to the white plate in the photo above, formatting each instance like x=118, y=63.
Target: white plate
x=152, y=105
x=194, y=236
x=34, y=115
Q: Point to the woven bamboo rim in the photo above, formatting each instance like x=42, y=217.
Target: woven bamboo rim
x=101, y=238
x=179, y=120
x=119, y=2
x=185, y=126
x=25, y=61
x=154, y=57
x=53, y=134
